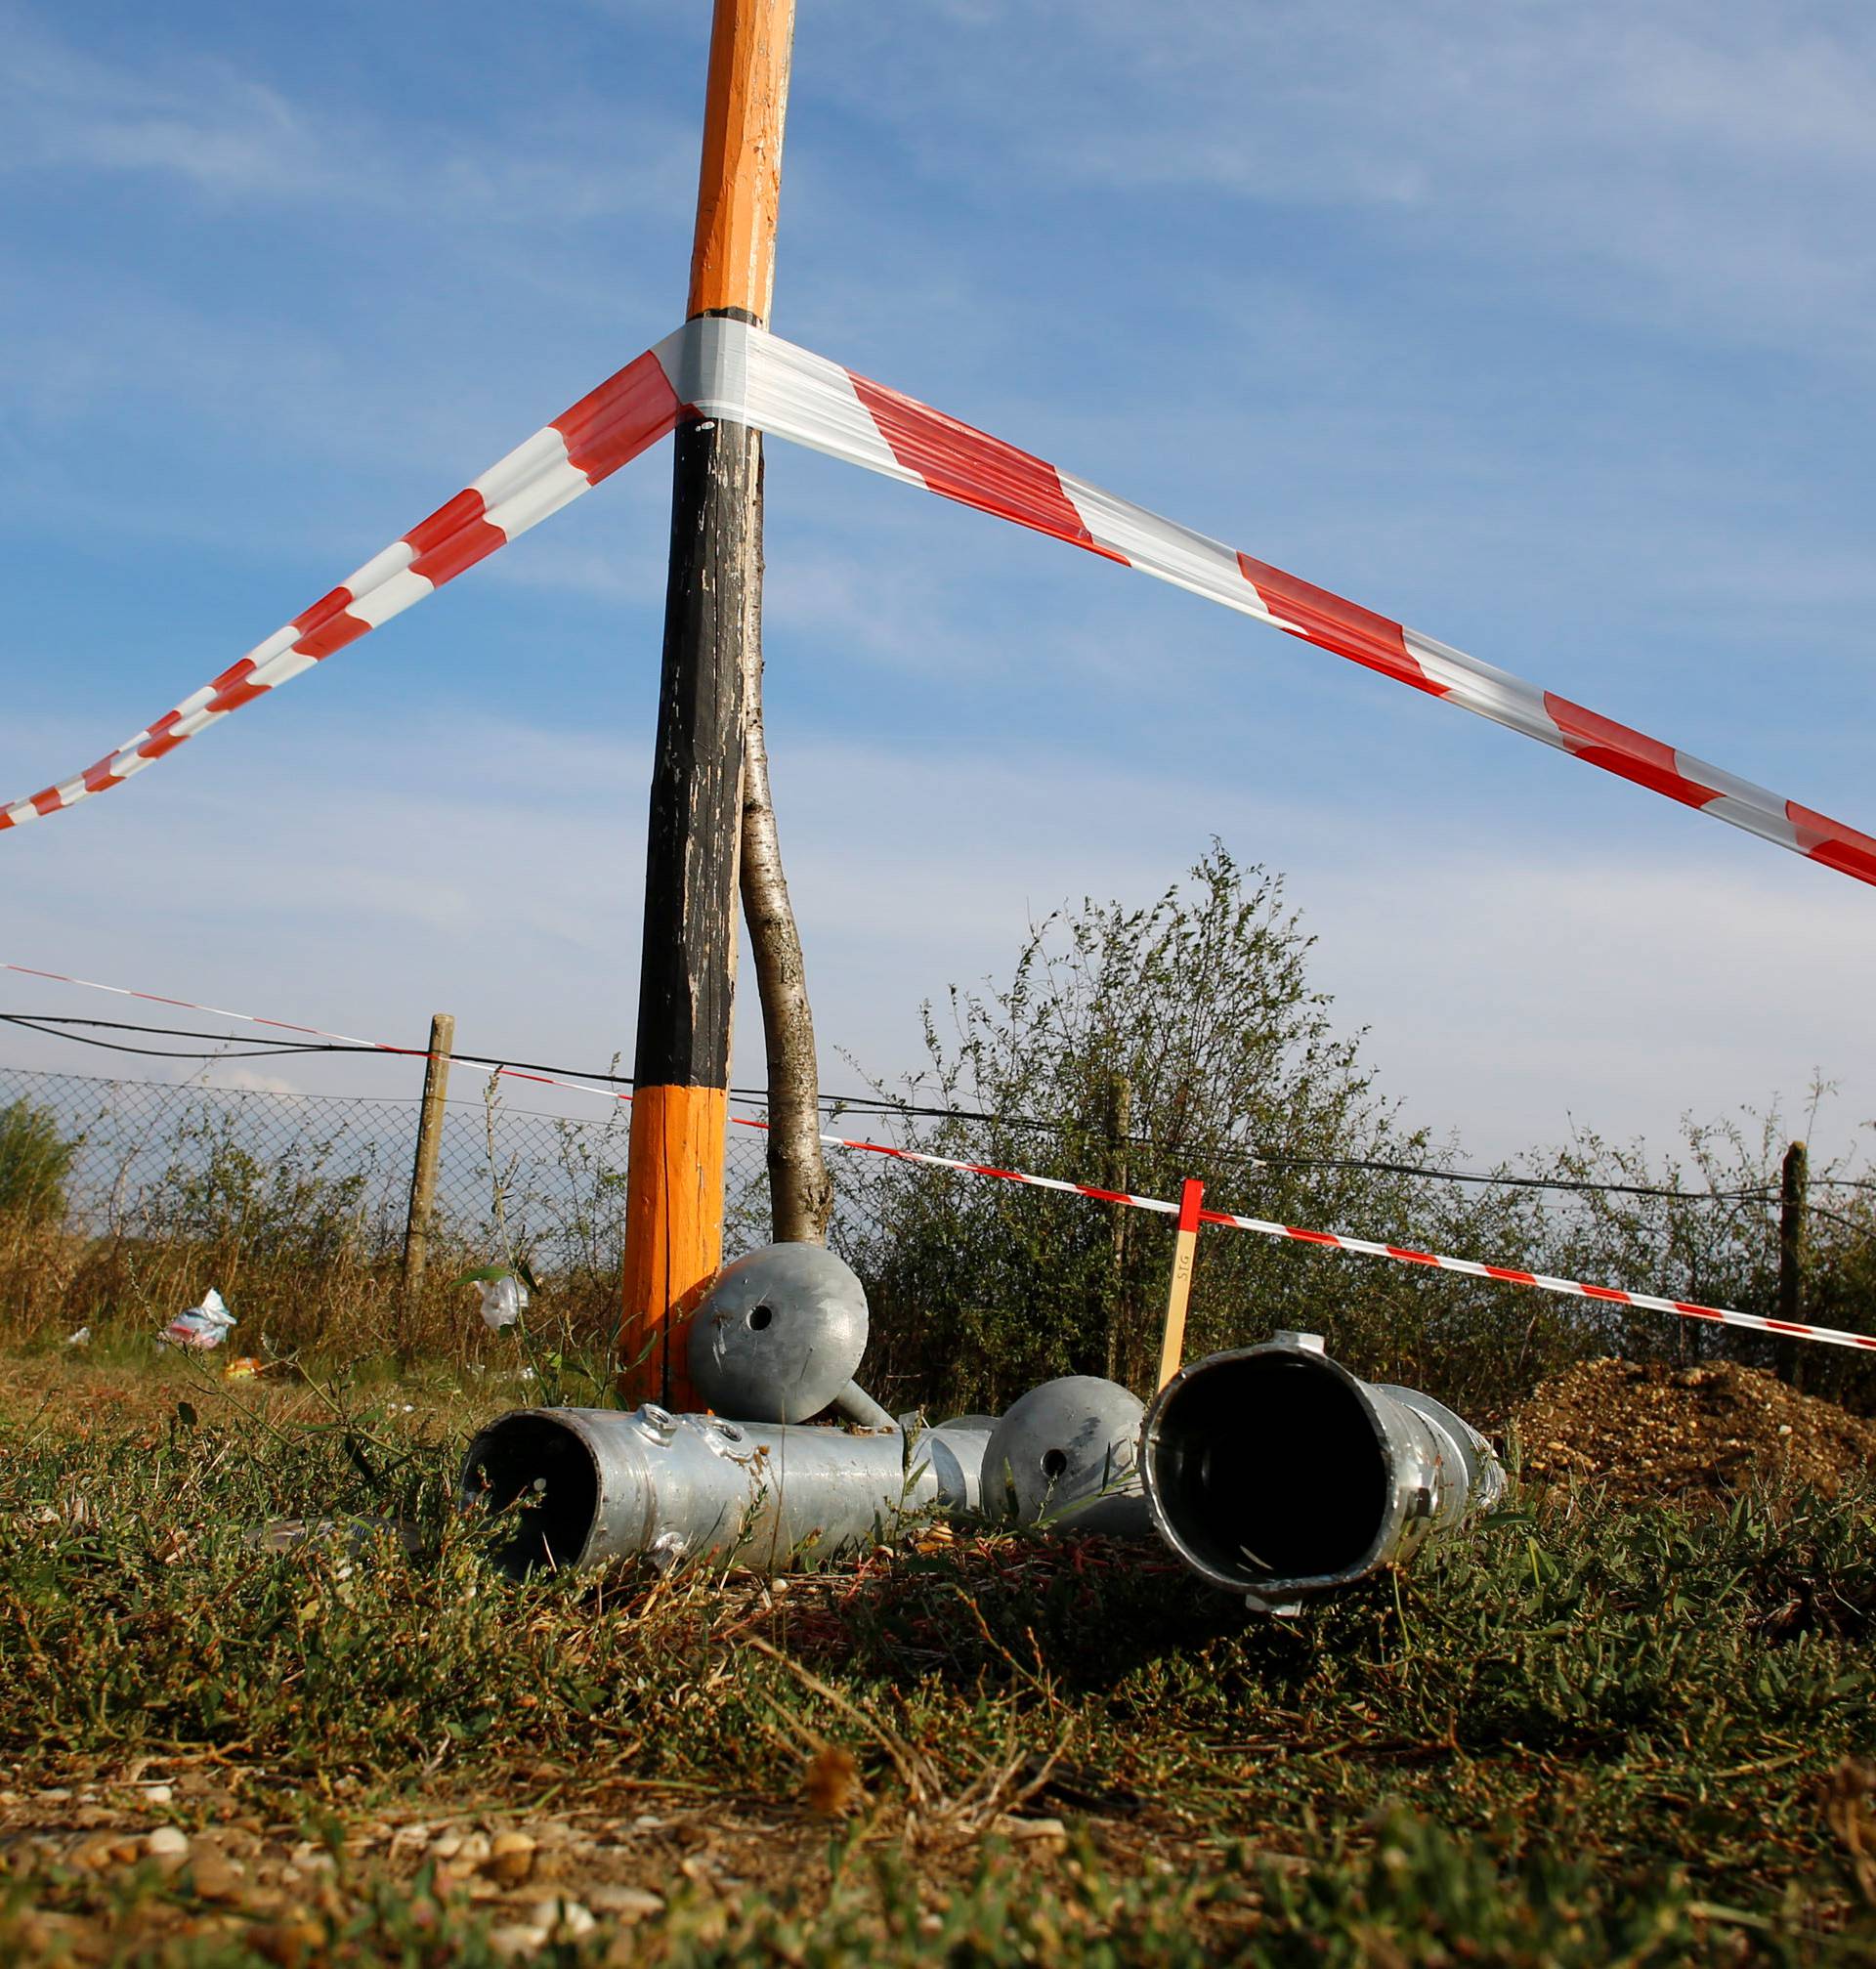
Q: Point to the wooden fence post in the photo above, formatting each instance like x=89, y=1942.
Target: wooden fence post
x=1791, y=1257
x=1180, y=1292
x=423, y=1169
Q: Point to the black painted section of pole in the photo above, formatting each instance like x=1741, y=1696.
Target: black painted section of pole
x=687, y=964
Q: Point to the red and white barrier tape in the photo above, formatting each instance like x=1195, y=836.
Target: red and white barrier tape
x=1506, y=1275
x=725, y=368
x=790, y=393
x=606, y=429
x=314, y=1031
x=1468, y=1268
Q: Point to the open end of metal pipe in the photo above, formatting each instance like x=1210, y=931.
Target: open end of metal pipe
x=542, y=1475
x=1266, y=1467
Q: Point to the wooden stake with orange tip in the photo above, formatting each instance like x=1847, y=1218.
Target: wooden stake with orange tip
x=712, y=607
x=1185, y=1242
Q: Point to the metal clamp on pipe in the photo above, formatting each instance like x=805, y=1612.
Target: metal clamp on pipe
x=1275, y=1474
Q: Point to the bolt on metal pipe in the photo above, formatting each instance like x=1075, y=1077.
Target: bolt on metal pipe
x=1275, y=1474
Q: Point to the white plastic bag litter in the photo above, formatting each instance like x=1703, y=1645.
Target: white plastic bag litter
x=202, y=1326
x=502, y=1301
x=503, y=1290
x=82, y=1338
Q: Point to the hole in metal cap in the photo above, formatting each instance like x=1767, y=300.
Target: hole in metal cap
x=1054, y=1463
x=760, y=1317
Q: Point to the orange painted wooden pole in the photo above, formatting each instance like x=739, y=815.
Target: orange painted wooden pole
x=712, y=606
x=738, y=188
x=1185, y=1242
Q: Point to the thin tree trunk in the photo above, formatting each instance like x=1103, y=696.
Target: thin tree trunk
x=800, y=1195
x=1118, y=1125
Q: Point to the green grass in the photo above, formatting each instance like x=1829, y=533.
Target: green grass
x=1577, y=1736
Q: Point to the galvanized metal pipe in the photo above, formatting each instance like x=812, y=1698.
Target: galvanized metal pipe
x=945, y=1462
x=591, y=1487
x=858, y=1407
x=1274, y=1473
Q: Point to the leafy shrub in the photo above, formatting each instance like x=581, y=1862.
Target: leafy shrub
x=1133, y=1048
x=34, y=1161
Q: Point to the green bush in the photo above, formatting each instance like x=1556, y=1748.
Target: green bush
x=1133, y=1048
x=34, y=1161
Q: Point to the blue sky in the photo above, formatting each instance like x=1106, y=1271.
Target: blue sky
x=1545, y=329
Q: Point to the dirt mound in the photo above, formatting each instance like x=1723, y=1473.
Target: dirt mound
x=1651, y=1431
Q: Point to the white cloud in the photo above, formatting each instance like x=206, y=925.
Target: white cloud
x=1688, y=162
x=246, y=1080
x=61, y=107
x=238, y=140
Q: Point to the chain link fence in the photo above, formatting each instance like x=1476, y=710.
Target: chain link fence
x=164, y=1160
x=295, y=1206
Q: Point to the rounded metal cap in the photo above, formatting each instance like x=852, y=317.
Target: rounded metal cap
x=1061, y=1446
x=780, y=1334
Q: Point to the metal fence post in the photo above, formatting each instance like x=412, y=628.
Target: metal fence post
x=423, y=1170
